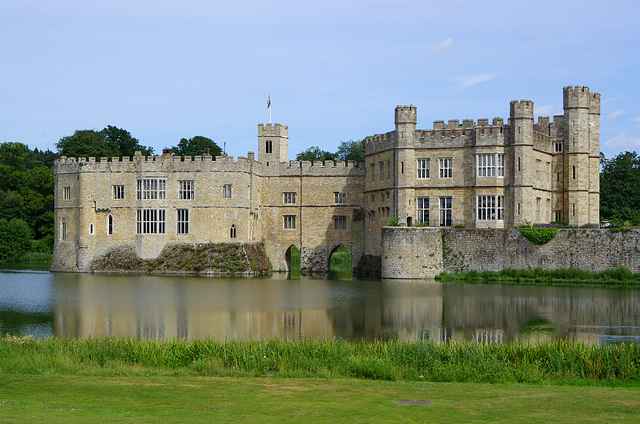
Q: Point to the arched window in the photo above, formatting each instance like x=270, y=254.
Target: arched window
x=269, y=147
x=110, y=224
x=232, y=232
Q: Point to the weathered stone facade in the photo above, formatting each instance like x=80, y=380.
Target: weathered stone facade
x=424, y=253
x=469, y=173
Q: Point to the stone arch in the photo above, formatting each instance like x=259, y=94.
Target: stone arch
x=292, y=259
x=340, y=263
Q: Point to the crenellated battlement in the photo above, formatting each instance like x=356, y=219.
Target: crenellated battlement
x=577, y=97
x=315, y=168
x=406, y=115
x=521, y=109
x=273, y=130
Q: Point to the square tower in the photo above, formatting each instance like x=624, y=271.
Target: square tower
x=273, y=143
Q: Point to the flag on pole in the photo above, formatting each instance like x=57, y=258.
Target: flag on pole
x=269, y=100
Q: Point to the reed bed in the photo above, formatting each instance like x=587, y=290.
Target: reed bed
x=559, y=362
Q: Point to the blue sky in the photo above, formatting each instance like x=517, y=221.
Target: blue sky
x=164, y=70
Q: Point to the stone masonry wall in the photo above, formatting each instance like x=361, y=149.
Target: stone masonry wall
x=407, y=254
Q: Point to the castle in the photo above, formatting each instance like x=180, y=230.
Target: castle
x=475, y=173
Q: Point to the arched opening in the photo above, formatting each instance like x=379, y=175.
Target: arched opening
x=110, y=224
x=232, y=231
x=292, y=256
x=409, y=221
x=340, y=265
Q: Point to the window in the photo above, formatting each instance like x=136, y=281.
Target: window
x=232, y=231
x=340, y=198
x=389, y=170
x=518, y=164
x=446, y=211
x=182, y=221
x=446, y=167
x=110, y=224
x=500, y=157
x=558, y=147
x=558, y=215
x=66, y=193
x=289, y=222
x=63, y=230
x=289, y=197
x=381, y=170
x=373, y=172
x=574, y=172
x=118, y=192
x=152, y=188
x=538, y=199
x=269, y=147
x=422, y=166
x=187, y=189
x=340, y=222
x=226, y=191
x=538, y=164
x=486, y=164
x=490, y=208
x=150, y=221
x=91, y=229
x=423, y=209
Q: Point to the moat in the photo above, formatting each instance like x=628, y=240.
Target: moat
x=165, y=307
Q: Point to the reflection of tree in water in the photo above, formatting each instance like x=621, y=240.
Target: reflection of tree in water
x=340, y=264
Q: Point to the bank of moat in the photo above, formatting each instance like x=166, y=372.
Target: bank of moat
x=480, y=173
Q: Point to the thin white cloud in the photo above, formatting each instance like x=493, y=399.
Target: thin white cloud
x=635, y=119
x=440, y=47
x=545, y=110
x=466, y=81
x=623, y=142
x=615, y=114
x=612, y=99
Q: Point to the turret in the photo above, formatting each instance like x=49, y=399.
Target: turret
x=273, y=143
x=521, y=166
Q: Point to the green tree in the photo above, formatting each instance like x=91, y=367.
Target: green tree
x=620, y=188
x=351, y=150
x=15, y=239
x=84, y=143
x=122, y=142
x=315, y=153
x=195, y=147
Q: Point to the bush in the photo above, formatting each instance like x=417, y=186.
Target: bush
x=538, y=235
x=15, y=239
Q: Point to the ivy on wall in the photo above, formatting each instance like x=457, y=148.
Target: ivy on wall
x=538, y=235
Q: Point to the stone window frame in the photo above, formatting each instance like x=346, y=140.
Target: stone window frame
x=66, y=193
x=151, y=221
x=446, y=211
x=423, y=168
x=340, y=198
x=182, y=221
x=289, y=222
x=373, y=172
x=227, y=191
x=490, y=207
x=381, y=170
x=186, y=189
x=422, y=211
x=151, y=189
x=118, y=191
x=445, y=168
x=289, y=197
x=339, y=222
x=233, y=231
x=110, y=224
x=63, y=229
x=486, y=164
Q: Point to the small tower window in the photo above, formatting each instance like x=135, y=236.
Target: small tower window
x=110, y=224
x=63, y=230
x=232, y=232
x=269, y=147
x=574, y=172
x=91, y=229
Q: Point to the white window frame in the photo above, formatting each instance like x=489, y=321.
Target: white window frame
x=490, y=208
x=150, y=221
x=423, y=168
x=151, y=189
x=446, y=211
x=446, y=167
x=500, y=164
x=118, y=191
x=186, y=189
x=340, y=198
x=182, y=221
x=422, y=209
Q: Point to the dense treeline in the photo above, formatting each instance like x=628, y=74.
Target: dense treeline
x=27, y=184
x=620, y=189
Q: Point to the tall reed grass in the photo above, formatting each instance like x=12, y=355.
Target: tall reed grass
x=559, y=362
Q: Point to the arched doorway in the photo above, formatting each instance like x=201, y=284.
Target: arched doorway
x=340, y=264
x=292, y=257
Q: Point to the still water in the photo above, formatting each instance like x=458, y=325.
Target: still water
x=165, y=307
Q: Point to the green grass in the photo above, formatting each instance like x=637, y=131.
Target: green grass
x=561, y=277
x=153, y=399
x=554, y=363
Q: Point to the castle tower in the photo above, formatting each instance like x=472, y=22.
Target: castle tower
x=406, y=118
x=521, y=162
x=273, y=143
x=594, y=158
x=577, y=149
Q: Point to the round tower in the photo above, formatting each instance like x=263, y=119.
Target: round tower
x=406, y=118
x=577, y=139
x=273, y=143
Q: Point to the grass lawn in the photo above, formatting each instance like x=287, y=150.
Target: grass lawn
x=141, y=399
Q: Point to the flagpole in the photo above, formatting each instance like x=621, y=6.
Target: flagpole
x=269, y=106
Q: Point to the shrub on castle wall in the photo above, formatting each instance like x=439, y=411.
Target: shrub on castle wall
x=538, y=235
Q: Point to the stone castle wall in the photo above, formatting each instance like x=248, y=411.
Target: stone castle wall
x=424, y=253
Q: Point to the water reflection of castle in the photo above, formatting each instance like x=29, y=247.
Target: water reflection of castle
x=197, y=308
